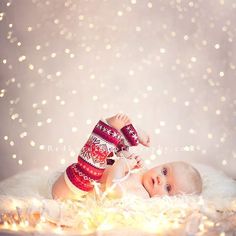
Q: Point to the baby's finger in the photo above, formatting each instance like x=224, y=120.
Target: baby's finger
x=138, y=158
x=118, y=115
x=137, y=166
x=148, y=141
x=132, y=156
x=127, y=120
x=141, y=163
x=122, y=115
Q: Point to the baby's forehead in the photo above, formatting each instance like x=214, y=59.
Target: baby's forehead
x=179, y=164
x=181, y=168
x=183, y=175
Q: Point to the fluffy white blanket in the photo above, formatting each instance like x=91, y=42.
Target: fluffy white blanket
x=216, y=204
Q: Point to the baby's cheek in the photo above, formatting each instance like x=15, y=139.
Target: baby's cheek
x=161, y=191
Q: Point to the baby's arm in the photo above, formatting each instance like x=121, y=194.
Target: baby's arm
x=118, y=171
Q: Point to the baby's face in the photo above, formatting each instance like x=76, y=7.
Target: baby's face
x=167, y=179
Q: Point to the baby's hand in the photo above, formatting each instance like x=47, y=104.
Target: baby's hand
x=143, y=137
x=134, y=161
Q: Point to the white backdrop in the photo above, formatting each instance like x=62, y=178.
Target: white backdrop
x=168, y=64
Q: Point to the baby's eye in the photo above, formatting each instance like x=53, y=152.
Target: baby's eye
x=164, y=171
x=168, y=188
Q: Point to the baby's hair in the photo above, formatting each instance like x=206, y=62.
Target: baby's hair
x=195, y=178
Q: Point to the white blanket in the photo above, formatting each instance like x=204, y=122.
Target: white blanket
x=219, y=195
x=37, y=183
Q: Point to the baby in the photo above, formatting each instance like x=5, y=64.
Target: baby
x=115, y=135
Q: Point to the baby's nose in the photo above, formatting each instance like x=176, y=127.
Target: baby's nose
x=159, y=180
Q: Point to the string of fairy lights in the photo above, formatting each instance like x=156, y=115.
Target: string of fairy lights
x=98, y=213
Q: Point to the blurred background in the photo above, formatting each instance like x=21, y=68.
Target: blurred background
x=169, y=64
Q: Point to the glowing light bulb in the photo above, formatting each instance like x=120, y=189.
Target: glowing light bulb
x=95, y=98
x=138, y=28
x=41, y=147
x=147, y=162
x=32, y=143
x=131, y=72
x=157, y=131
x=149, y=5
x=120, y=13
x=162, y=123
x=153, y=157
x=186, y=103
x=140, y=116
x=159, y=152
x=162, y=50
x=49, y=120
x=192, y=131
x=108, y=46
x=186, y=37
x=81, y=17
x=178, y=127
x=193, y=59
x=221, y=74
x=209, y=135
x=223, y=99
x=12, y=143
x=88, y=122
x=24, y=134
x=21, y=58
x=46, y=168
x=224, y=162
x=39, y=123
x=74, y=129
x=31, y=67
x=149, y=88
x=58, y=73
x=186, y=148
x=104, y=106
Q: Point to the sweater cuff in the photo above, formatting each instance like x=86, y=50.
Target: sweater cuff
x=130, y=134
